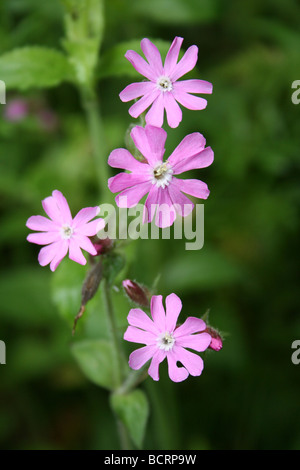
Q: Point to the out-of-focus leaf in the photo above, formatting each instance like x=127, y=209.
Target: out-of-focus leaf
x=133, y=410
x=177, y=11
x=114, y=64
x=97, y=360
x=34, y=67
x=204, y=269
x=25, y=297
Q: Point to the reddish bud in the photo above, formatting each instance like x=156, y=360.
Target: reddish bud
x=216, y=340
x=102, y=246
x=138, y=294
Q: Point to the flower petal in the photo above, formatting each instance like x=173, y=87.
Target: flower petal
x=126, y=180
x=63, y=206
x=172, y=56
x=190, y=326
x=140, y=319
x=158, y=357
x=60, y=254
x=158, y=312
x=155, y=115
x=143, y=103
x=190, y=101
x=140, y=356
x=153, y=56
x=84, y=216
x=193, y=86
x=140, y=65
x=92, y=228
x=199, y=342
x=44, y=238
x=174, y=113
x=192, y=362
x=47, y=253
x=186, y=64
x=135, y=335
x=150, y=141
x=173, y=309
x=52, y=210
x=39, y=222
x=177, y=374
x=182, y=204
x=84, y=243
x=166, y=211
x=191, y=145
x=201, y=160
x=121, y=158
x=193, y=187
x=151, y=204
x=75, y=252
x=131, y=197
x=135, y=90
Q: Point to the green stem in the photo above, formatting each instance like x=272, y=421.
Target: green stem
x=123, y=433
x=133, y=380
x=98, y=141
x=113, y=331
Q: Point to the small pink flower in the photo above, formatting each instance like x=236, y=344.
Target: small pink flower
x=164, y=340
x=163, y=90
x=157, y=177
x=61, y=233
x=16, y=110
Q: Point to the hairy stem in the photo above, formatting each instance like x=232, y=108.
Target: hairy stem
x=98, y=141
x=113, y=331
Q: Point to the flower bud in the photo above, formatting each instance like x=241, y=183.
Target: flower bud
x=138, y=294
x=102, y=246
x=89, y=289
x=216, y=340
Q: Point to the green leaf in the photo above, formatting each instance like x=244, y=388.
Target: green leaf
x=133, y=410
x=97, y=361
x=114, y=64
x=34, y=67
x=177, y=11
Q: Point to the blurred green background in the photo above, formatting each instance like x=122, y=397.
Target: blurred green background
x=247, y=274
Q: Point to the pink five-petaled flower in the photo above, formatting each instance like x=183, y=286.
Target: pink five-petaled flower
x=62, y=233
x=164, y=340
x=163, y=90
x=158, y=178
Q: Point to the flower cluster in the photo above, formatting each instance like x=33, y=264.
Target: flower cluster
x=157, y=177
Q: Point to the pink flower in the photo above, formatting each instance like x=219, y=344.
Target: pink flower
x=163, y=90
x=164, y=340
x=61, y=233
x=157, y=177
x=16, y=110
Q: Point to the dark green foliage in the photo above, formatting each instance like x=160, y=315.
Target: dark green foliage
x=247, y=273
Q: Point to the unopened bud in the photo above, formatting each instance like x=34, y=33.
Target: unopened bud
x=216, y=340
x=89, y=289
x=102, y=246
x=137, y=293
